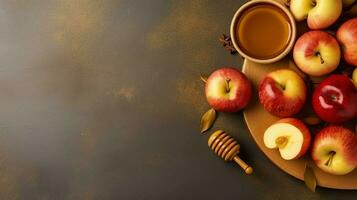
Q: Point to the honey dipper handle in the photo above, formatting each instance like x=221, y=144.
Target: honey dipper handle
x=243, y=165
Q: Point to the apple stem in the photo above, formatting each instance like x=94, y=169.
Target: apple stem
x=333, y=97
x=330, y=157
x=321, y=59
x=281, y=142
x=227, y=85
x=281, y=86
x=313, y=3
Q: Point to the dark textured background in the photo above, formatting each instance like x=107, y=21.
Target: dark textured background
x=102, y=100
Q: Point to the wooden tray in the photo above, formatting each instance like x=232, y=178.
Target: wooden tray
x=258, y=120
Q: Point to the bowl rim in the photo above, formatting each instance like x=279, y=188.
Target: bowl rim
x=292, y=36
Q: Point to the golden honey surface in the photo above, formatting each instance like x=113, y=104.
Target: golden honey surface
x=263, y=31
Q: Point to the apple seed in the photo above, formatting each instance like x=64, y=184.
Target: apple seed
x=281, y=142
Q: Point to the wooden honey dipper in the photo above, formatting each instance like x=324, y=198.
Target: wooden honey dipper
x=227, y=148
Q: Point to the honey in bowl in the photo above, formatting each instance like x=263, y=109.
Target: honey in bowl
x=263, y=31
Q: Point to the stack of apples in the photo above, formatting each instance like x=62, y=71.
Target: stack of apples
x=284, y=93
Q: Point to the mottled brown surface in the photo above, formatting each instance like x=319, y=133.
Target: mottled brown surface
x=102, y=100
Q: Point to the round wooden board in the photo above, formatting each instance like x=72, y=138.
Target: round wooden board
x=258, y=120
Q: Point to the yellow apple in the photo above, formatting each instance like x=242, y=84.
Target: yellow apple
x=317, y=53
x=334, y=150
x=320, y=14
x=228, y=90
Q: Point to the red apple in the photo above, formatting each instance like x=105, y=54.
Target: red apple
x=290, y=136
x=335, y=99
x=228, y=90
x=335, y=150
x=347, y=36
x=317, y=53
x=282, y=93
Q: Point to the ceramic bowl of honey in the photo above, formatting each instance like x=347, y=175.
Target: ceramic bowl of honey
x=263, y=31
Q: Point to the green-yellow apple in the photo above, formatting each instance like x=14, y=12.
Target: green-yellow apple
x=335, y=150
x=347, y=36
x=290, y=136
x=317, y=53
x=228, y=90
x=320, y=14
x=347, y=3
x=282, y=93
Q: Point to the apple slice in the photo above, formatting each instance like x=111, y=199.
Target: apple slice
x=290, y=136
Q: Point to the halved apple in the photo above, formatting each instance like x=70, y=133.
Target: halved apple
x=290, y=136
